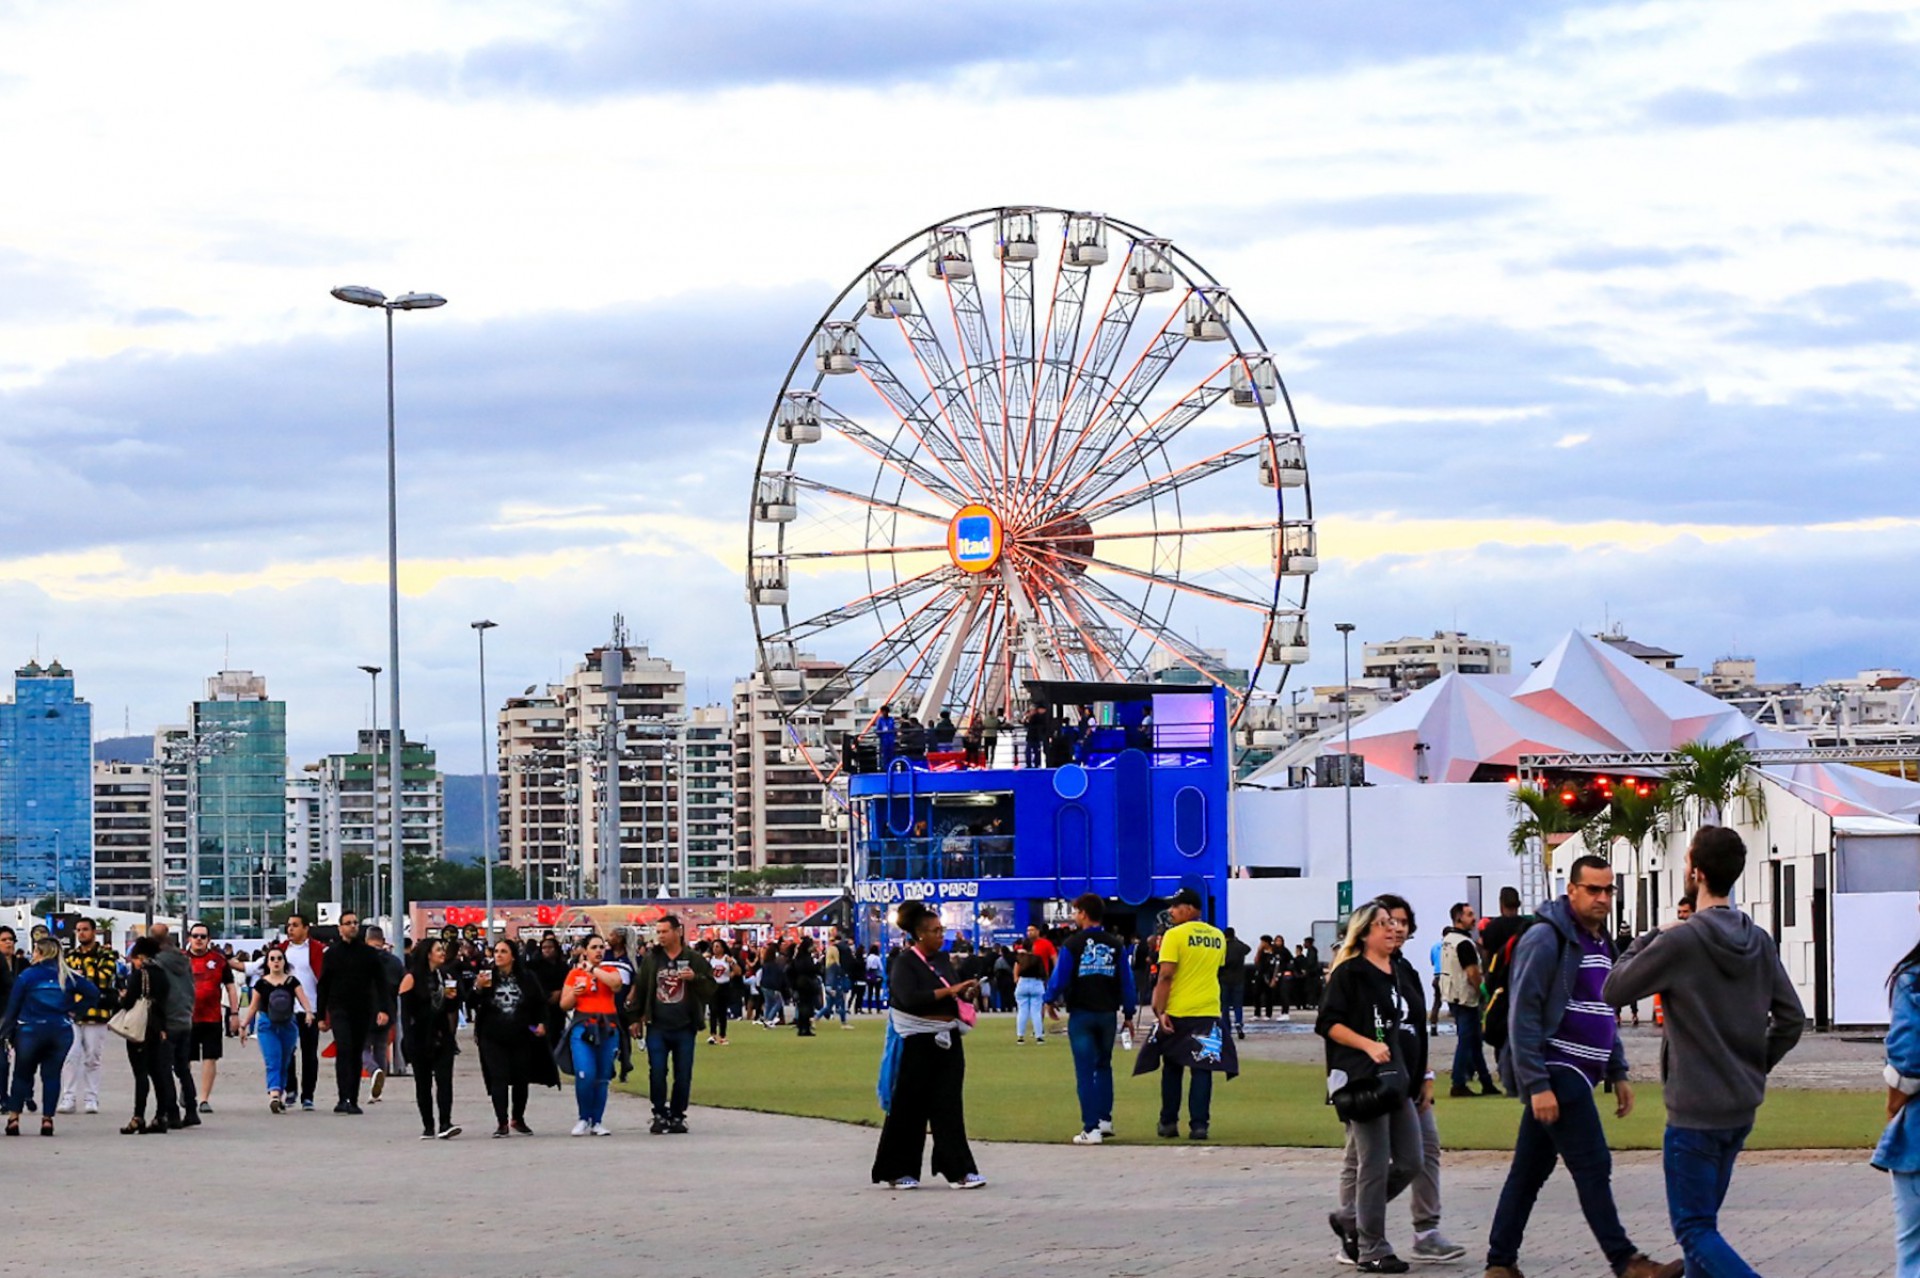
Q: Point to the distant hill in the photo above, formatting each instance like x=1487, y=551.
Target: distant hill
x=123, y=750
x=466, y=798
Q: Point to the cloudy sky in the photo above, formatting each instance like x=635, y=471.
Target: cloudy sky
x=1590, y=311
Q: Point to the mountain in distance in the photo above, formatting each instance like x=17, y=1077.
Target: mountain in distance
x=123, y=749
x=466, y=798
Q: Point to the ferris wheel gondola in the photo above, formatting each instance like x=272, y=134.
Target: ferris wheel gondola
x=1030, y=462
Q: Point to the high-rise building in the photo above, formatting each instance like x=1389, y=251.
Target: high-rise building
x=1411, y=662
x=173, y=753
x=784, y=815
x=240, y=812
x=46, y=787
x=306, y=827
x=706, y=791
x=553, y=771
x=534, y=808
x=353, y=823
x=126, y=836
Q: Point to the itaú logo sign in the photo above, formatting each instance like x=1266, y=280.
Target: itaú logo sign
x=975, y=539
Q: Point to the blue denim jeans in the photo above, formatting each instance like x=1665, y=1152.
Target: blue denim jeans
x=1469, y=1060
x=839, y=986
x=1091, y=1035
x=43, y=1049
x=772, y=1004
x=675, y=1046
x=278, y=1043
x=1576, y=1137
x=592, y=1072
x=1906, y=1224
x=1699, y=1167
x=1030, y=998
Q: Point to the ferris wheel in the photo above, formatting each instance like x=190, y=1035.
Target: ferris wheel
x=1029, y=443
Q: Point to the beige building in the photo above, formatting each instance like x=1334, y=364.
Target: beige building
x=554, y=751
x=706, y=789
x=126, y=836
x=1411, y=663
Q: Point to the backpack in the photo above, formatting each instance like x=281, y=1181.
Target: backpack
x=280, y=1003
x=1495, y=977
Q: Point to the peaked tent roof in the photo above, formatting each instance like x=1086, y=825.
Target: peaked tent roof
x=1587, y=697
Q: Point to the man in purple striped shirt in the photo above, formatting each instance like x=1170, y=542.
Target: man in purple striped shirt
x=1561, y=1044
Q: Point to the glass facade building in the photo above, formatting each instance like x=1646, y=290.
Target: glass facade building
x=46, y=787
x=240, y=800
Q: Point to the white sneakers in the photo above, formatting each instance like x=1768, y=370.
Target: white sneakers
x=581, y=1128
x=1106, y=1127
x=66, y=1105
x=905, y=1182
x=973, y=1180
x=92, y=1107
x=601, y=1129
x=1093, y=1137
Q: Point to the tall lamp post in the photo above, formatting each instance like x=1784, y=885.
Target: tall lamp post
x=1346, y=713
x=488, y=800
x=373, y=795
x=360, y=295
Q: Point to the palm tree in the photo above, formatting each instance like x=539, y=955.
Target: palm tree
x=1712, y=776
x=1539, y=814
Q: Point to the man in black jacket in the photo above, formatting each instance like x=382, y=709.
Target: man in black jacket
x=1094, y=982
x=353, y=1003
x=669, y=1003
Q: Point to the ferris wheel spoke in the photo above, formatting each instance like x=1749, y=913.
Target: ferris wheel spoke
x=919, y=629
x=1016, y=354
x=1120, y=457
x=1124, y=402
x=876, y=503
x=891, y=457
x=866, y=606
x=1214, y=530
x=1146, y=624
x=1053, y=364
x=948, y=391
x=865, y=552
x=1090, y=372
x=1191, y=473
x=937, y=444
x=1097, y=640
x=1161, y=579
x=976, y=348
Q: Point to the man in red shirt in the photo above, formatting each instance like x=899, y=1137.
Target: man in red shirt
x=212, y=985
x=1037, y=942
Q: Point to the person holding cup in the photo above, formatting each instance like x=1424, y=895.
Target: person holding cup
x=429, y=1008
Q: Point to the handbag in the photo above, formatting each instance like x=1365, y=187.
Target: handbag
x=1364, y=1099
x=130, y=1023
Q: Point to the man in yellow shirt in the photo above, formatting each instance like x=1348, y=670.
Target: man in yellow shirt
x=1186, y=1002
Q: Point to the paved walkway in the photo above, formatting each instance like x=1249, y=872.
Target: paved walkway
x=745, y=1194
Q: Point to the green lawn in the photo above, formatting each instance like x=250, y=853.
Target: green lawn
x=1025, y=1093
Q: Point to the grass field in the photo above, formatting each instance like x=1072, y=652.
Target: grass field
x=1025, y=1093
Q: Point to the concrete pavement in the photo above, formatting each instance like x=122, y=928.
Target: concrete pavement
x=249, y=1194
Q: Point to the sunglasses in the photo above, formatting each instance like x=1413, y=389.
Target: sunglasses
x=198, y=936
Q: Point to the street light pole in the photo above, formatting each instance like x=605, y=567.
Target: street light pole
x=1346, y=713
x=373, y=789
x=56, y=871
x=488, y=800
x=360, y=295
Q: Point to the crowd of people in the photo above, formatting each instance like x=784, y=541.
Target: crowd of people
x=1545, y=991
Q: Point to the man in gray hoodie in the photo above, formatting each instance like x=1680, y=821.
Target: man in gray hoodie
x=179, y=1018
x=1731, y=1015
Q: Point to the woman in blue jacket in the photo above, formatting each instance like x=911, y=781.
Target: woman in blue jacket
x=1899, y=1148
x=39, y=1024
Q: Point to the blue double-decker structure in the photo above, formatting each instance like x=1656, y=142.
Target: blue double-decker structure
x=1128, y=799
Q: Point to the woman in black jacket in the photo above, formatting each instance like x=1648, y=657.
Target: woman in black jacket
x=151, y=1059
x=429, y=1011
x=509, y=1024
x=804, y=975
x=931, y=1069
x=1365, y=1018
x=549, y=967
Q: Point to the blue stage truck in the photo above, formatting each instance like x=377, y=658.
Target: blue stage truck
x=1131, y=803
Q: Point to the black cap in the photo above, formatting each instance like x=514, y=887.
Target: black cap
x=1186, y=896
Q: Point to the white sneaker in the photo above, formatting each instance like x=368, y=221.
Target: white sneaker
x=581, y=1128
x=91, y=1107
x=905, y=1182
x=66, y=1105
x=1106, y=1127
x=601, y=1129
x=972, y=1180
x=1089, y=1138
